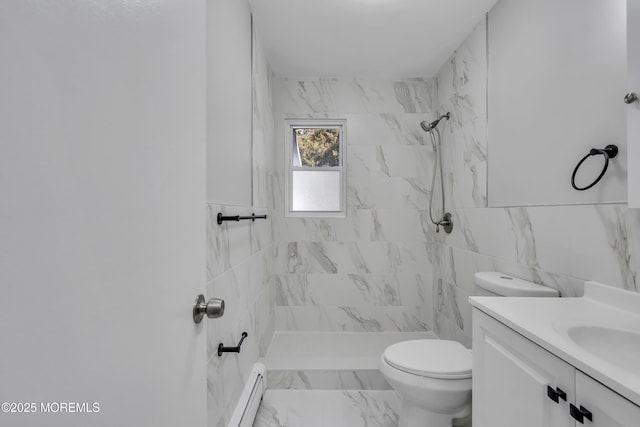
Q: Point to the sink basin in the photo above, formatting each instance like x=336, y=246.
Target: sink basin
x=615, y=346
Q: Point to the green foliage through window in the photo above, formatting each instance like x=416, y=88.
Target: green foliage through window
x=318, y=146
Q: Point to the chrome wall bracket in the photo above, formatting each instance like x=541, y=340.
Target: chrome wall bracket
x=213, y=308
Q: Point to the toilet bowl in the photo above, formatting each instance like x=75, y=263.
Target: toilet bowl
x=433, y=377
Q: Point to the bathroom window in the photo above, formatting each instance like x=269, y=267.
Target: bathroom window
x=315, y=156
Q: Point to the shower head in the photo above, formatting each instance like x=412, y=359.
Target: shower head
x=428, y=127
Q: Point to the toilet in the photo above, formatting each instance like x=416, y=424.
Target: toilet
x=433, y=377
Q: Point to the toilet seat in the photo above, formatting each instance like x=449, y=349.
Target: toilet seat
x=440, y=359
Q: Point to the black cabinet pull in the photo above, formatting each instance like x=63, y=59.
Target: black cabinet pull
x=579, y=414
x=556, y=394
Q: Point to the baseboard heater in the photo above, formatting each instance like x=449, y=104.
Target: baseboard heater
x=247, y=407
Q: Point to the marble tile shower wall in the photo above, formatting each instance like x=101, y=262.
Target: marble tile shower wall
x=239, y=271
x=371, y=270
x=559, y=246
x=240, y=266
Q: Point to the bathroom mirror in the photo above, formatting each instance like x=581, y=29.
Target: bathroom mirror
x=556, y=82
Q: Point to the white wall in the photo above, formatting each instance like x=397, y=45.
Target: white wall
x=229, y=112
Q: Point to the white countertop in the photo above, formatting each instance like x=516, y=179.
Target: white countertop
x=545, y=321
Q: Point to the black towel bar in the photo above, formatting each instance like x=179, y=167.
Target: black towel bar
x=253, y=217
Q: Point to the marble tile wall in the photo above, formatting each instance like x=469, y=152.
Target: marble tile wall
x=369, y=271
x=240, y=266
x=559, y=246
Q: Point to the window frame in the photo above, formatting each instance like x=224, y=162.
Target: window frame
x=290, y=126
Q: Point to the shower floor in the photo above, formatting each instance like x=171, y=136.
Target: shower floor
x=330, y=360
x=333, y=350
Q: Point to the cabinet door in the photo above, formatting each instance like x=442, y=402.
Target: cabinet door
x=511, y=376
x=608, y=408
x=633, y=109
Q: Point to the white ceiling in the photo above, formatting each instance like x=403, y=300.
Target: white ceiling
x=374, y=38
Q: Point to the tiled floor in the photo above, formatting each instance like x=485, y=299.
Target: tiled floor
x=328, y=408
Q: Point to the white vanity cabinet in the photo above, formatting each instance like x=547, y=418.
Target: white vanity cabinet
x=608, y=408
x=518, y=383
x=511, y=376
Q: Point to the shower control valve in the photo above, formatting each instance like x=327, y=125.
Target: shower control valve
x=446, y=222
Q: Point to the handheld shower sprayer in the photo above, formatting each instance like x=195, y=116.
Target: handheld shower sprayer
x=445, y=220
x=428, y=127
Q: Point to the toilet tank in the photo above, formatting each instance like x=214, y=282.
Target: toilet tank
x=493, y=283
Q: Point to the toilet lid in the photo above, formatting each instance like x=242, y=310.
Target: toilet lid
x=431, y=358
